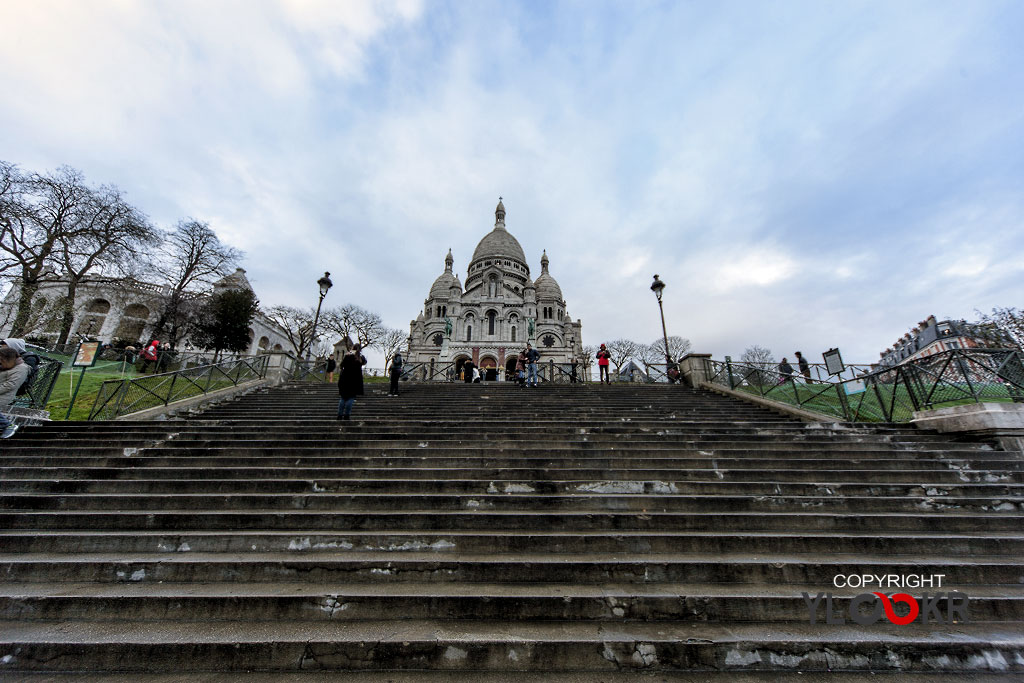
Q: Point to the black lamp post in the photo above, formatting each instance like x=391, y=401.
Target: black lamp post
x=656, y=287
x=325, y=284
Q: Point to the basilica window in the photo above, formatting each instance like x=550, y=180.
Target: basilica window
x=469, y=333
x=491, y=315
x=513, y=333
x=444, y=310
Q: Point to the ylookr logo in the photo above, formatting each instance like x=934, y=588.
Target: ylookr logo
x=869, y=608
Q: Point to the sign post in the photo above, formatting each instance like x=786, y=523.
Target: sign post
x=833, y=362
x=86, y=356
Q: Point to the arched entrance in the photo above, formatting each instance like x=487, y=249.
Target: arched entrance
x=458, y=367
x=489, y=368
x=510, y=369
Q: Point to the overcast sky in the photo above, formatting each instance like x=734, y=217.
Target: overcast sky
x=802, y=175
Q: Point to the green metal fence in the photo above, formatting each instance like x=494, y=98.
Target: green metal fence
x=953, y=377
x=122, y=397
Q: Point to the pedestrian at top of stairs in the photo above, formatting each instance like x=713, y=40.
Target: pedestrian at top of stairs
x=350, y=381
x=395, y=373
x=13, y=373
x=332, y=365
x=805, y=367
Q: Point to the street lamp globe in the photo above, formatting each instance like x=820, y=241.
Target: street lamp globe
x=657, y=286
x=325, y=284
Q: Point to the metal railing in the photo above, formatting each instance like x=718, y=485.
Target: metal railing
x=38, y=394
x=953, y=377
x=122, y=397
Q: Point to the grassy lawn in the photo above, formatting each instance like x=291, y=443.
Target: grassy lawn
x=138, y=397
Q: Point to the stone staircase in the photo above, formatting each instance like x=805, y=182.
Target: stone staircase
x=595, y=533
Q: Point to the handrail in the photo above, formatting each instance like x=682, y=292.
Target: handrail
x=891, y=394
x=118, y=397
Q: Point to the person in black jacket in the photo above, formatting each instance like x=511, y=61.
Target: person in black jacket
x=350, y=381
x=532, y=356
x=395, y=372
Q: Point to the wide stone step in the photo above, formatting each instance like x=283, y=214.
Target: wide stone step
x=636, y=544
x=47, y=484
x=443, y=645
x=656, y=501
x=479, y=519
x=524, y=677
x=377, y=567
x=673, y=603
x=947, y=473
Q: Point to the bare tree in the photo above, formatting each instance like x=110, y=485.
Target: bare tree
x=110, y=238
x=392, y=342
x=355, y=323
x=192, y=256
x=37, y=211
x=622, y=350
x=762, y=364
x=297, y=324
x=677, y=346
x=651, y=354
x=1001, y=328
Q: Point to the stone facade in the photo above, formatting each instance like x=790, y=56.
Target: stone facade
x=108, y=310
x=498, y=312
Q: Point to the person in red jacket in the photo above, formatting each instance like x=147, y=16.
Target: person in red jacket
x=150, y=355
x=602, y=364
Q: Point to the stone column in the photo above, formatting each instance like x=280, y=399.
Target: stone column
x=694, y=368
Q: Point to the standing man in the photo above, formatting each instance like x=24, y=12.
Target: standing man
x=13, y=373
x=602, y=365
x=805, y=368
x=532, y=356
x=467, y=371
x=350, y=381
x=395, y=372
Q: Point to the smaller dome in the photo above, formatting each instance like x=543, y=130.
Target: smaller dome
x=446, y=280
x=442, y=285
x=420, y=318
x=547, y=286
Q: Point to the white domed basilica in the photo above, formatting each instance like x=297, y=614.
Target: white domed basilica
x=500, y=310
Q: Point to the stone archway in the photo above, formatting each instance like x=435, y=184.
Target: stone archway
x=489, y=368
x=510, y=368
x=459, y=362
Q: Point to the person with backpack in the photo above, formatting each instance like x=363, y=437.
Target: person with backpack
x=14, y=373
x=395, y=372
x=29, y=358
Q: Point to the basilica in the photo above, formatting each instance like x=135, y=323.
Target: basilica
x=498, y=312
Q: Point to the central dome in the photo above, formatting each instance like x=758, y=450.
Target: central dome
x=498, y=243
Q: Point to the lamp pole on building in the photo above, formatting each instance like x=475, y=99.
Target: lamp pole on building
x=325, y=284
x=657, y=286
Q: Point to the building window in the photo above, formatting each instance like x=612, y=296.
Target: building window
x=513, y=334
x=469, y=333
x=491, y=315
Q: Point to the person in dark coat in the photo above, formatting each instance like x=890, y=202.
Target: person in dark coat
x=467, y=372
x=332, y=365
x=785, y=371
x=395, y=372
x=350, y=381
